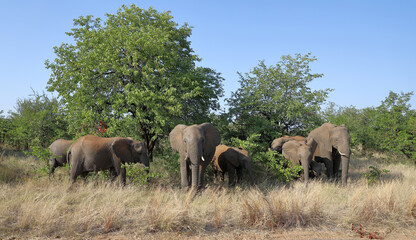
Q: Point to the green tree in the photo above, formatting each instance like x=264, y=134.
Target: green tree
x=276, y=100
x=136, y=72
x=389, y=127
x=36, y=122
x=395, y=124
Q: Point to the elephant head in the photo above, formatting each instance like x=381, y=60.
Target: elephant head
x=333, y=148
x=301, y=153
x=278, y=142
x=130, y=151
x=196, y=146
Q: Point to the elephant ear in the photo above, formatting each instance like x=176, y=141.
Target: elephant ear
x=121, y=150
x=175, y=137
x=212, y=138
x=290, y=151
x=312, y=144
x=321, y=136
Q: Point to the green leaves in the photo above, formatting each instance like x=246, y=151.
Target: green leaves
x=278, y=98
x=136, y=71
x=389, y=127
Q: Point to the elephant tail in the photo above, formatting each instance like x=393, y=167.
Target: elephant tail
x=68, y=157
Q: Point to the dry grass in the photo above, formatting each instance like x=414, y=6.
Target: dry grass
x=44, y=208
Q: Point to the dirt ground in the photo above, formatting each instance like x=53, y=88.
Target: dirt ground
x=298, y=234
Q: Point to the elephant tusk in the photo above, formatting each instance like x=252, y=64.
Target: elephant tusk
x=343, y=154
x=203, y=159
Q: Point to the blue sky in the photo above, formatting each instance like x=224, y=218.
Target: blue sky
x=364, y=48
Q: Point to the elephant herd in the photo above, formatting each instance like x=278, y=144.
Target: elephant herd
x=199, y=146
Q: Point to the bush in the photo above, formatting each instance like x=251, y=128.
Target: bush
x=43, y=155
x=374, y=175
x=269, y=160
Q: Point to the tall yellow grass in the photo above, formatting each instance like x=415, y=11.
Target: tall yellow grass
x=43, y=207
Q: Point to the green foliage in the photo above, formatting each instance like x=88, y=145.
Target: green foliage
x=43, y=155
x=374, y=175
x=268, y=160
x=136, y=72
x=390, y=127
x=139, y=175
x=36, y=122
x=276, y=100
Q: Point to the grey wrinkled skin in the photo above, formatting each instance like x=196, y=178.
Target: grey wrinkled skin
x=301, y=153
x=232, y=160
x=333, y=148
x=58, y=150
x=277, y=143
x=91, y=153
x=196, y=146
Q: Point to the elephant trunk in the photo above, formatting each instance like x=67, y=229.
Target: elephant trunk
x=344, y=152
x=195, y=175
x=195, y=155
x=305, y=165
x=345, y=164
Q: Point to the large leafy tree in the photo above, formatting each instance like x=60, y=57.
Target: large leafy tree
x=136, y=71
x=276, y=100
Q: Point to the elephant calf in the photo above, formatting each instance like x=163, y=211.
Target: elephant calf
x=91, y=153
x=59, y=150
x=231, y=160
x=277, y=143
x=301, y=153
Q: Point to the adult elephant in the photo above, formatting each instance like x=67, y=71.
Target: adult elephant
x=232, y=160
x=59, y=150
x=196, y=146
x=91, y=153
x=333, y=148
x=301, y=153
x=277, y=143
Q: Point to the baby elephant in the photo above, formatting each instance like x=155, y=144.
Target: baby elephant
x=91, y=153
x=277, y=143
x=301, y=153
x=58, y=149
x=231, y=160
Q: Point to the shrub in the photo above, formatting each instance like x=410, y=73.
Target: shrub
x=267, y=159
x=374, y=175
x=43, y=155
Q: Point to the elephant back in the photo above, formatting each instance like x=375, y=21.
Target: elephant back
x=322, y=137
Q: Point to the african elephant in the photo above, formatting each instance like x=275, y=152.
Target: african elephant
x=91, y=153
x=58, y=149
x=333, y=148
x=196, y=146
x=231, y=160
x=301, y=153
x=278, y=142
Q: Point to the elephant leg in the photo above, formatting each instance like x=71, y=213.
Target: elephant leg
x=329, y=168
x=84, y=177
x=53, y=166
x=113, y=174
x=185, y=172
x=202, y=168
x=222, y=176
x=328, y=165
x=122, y=177
x=188, y=183
x=231, y=175
x=121, y=173
x=239, y=175
x=337, y=162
